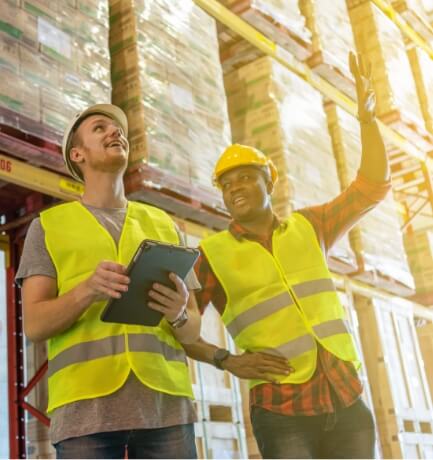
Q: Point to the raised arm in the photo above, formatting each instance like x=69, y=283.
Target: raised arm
x=374, y=160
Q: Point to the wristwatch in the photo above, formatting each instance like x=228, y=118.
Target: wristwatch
x=219, y=356
x=180, y=320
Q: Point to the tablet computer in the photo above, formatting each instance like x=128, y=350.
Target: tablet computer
x=152, y=263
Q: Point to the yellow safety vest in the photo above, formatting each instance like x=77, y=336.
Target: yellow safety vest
x=92, y=358
x=281, y=303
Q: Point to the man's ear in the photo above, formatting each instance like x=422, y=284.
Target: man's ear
x=269, y=186
x=76, y=155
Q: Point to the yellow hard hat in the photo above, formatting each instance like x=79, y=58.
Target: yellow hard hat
x=242, y=155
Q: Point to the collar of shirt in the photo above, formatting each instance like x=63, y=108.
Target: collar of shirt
x=239, y=232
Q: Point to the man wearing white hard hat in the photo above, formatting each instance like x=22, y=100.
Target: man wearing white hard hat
x=110, y=386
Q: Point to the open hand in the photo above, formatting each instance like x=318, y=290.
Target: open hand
x=361, y=70
x=260, y=366
x=170, y=302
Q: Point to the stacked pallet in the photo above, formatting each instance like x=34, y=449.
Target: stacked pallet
x=281, y=22
x=54, y=61
x=167, y=77
x=419, y=249
x=377, y=239
x=401, y=397
x=330, y=49
x=381, y=42
x=274, y=110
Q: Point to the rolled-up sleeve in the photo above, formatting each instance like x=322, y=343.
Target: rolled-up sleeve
x=336, y=217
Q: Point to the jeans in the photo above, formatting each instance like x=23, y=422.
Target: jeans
x=172, y=442
x=347, y=433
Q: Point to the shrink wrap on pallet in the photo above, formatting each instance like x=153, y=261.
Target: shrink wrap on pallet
x=52, y=51
x=381, y=42
x=167, y=77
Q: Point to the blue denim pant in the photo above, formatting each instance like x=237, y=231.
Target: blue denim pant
x=172, y=442
x=347, y=433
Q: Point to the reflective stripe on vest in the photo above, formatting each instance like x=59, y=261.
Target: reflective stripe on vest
x=306, y=342
x=110, y=346
x=313, y=287
x=271, y=306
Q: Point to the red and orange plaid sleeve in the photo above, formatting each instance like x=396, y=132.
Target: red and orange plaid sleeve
x=333, y=219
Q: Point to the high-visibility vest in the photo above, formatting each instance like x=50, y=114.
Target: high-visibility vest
x=93, y=358
x=281, y=303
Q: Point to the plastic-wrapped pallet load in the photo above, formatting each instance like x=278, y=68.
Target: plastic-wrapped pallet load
x=381, y=42
x=419, y=249
x=401, y=396
x=167, y=77
x=280, y=21
x=377, y=239
x=54, y=61
x=330, y=49
x=277, y=112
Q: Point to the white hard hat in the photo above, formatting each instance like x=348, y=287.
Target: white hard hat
x=108, y=110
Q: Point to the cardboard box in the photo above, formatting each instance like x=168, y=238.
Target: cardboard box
x=169, y=82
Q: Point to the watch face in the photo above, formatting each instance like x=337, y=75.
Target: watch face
x=221, y=354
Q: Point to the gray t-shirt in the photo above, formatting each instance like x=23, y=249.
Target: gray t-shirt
x=134, y=406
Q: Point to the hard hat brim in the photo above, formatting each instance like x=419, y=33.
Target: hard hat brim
x=273, y=173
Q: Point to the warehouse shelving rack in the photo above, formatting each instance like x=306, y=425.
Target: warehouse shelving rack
x=51, y=181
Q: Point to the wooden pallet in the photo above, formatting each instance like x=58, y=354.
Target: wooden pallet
x=409, y=128
x=381, y=281
x=414, y=16
x=270, y=27
x=324, y=64
x=322, y=60
x=402, y=400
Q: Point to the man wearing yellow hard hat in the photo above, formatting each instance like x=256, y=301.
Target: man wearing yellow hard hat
x=269, y=280
x=110, y=386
